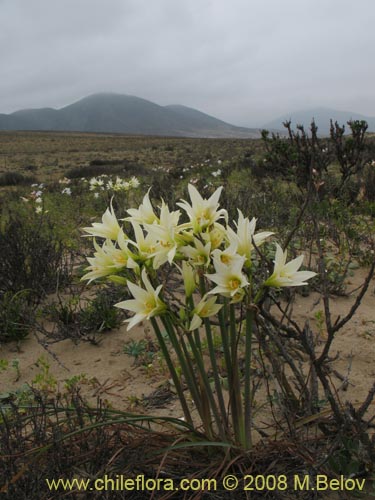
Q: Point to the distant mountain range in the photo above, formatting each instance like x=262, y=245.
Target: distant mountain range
x=126, y=114
x=322, y=117
x=117, y=113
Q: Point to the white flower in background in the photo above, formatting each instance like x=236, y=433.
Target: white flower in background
x=67, y=191
x=38, y=200
x=108, y=228
x=144, y=214
x=207, y=307
x=134, y=182
x=95, y=183
x=229, y=279
x=216, y=173
x=38, y=210
x=203, y=213
x=64, y=180
x=96, y=195
x=245, y=236
x=287, y=274
x=146, y=302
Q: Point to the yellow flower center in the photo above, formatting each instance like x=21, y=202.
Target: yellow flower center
x=225, y=259
x=234, y=283
x=149, y=306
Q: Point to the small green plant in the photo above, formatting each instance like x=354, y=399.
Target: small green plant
x=44, y=380
x=143, y=351
x=135, y=348
x=73, y=382
x=3, y=365
x=16, y=366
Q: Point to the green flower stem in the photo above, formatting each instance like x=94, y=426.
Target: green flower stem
x=212, y=354
x=236, y=374
x=191, y=305
x=228, y=363
x=184, y=360
x=247, y=396
x=172, y=371
x=208, y=391
x=216, y=374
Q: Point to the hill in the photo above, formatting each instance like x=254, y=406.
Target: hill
x=118, y=113
x=322, y=118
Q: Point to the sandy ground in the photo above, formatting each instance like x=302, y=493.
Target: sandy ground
x=115, y=377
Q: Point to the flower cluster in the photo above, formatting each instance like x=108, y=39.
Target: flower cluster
x=201, y=247
x=36, y=198
x=105, y=183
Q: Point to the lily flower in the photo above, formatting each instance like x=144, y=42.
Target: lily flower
x=246, y=237
x=205, y=308
x=165, y=232
x=230, y=279
x=108, y=228
x=188, y=276
x=146, y=302
x=203, y=213
x=107, y=260
x=144, y=214
x=199, y=254
x=287, y=274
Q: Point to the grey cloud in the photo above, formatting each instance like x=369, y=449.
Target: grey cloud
x=245, y=61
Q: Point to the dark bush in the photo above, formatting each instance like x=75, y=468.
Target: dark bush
x=369, y=182
x=15, y=179
x=32, y=256
x=109, y=167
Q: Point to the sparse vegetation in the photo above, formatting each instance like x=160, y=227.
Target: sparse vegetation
x=316, y=194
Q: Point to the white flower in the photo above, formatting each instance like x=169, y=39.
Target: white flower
x=165, y=233
x=144, y=214
x=64, y=180
x=203, y=213
x=95, y=183
x=67, y=191
x=287, y=274
x=230, y=279
x=107, y=259
x=134, y=182
x=245, y=236
x=206, y=307
x=146, y=302
x=108, y=228
x=188, y=276
x=198, y=254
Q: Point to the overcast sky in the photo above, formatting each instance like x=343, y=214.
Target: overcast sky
x=244, y=61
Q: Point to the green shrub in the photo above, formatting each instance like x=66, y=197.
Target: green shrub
x=15, y=316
